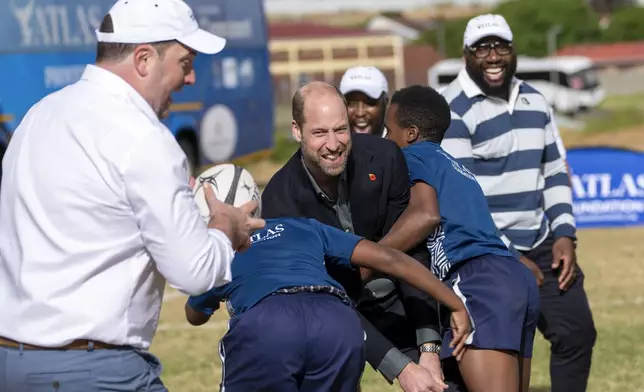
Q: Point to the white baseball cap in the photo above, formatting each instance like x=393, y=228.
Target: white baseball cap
x=368, y=80
x=488, y=25
x=149, y=21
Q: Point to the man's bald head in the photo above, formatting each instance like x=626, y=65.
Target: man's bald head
x=312, y=92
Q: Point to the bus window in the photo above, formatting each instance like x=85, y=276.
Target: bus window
x=584, y=80
x=446, y=79
x=530, y=76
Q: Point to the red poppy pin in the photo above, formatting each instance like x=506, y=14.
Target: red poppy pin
x=372, y=177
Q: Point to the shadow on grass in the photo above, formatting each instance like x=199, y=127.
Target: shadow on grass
x=539, y=389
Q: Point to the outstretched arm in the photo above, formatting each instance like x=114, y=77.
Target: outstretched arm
x=420, y=308
x=199, y=308
x=395, y=263
x=196, y=317
x=417, y=222
x=348, y=249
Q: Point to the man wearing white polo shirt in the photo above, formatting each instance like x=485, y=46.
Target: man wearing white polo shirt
x=97, y=213
x=366, y=91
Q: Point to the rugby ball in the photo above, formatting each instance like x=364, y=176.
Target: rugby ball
x=232, y=184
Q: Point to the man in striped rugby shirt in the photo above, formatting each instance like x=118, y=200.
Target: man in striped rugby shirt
x=503, y=131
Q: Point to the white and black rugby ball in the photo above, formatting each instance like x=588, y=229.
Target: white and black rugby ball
x=232, y=185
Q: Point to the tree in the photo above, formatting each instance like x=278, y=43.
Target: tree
x=452, y=33
x=609, y=6
x=626, y=24
x=530, y=21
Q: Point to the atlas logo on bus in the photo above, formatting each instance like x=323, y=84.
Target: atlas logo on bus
x=46, y=45
x=42, y=24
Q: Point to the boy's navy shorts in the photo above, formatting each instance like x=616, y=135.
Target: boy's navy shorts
x=294, y=342
x=502, y=298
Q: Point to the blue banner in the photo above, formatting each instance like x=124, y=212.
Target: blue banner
x=608, y=186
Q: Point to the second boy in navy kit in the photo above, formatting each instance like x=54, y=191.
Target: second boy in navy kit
x=448, y=210
x=293, y=327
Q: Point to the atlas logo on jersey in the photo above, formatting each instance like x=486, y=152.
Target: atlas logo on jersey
x=267, y=234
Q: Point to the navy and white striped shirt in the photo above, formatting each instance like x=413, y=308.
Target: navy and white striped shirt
x=510, y=147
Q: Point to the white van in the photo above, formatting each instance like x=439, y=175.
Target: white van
x=569, y=83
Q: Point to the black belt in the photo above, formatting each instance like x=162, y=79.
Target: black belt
x=304, y=289
x=317, y=289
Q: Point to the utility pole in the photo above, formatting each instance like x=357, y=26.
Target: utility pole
x=552, y=47
x=441, y=39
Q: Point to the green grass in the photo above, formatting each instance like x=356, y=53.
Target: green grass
x=284, y=147
x=616, y=119
x=622, y=101
x=610, y=259
x=616, y=112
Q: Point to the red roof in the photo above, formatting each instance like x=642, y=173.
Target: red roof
x=623, y=52
x=279, y=30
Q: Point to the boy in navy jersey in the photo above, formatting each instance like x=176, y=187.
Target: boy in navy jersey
x=292, y=327
x=447, y=209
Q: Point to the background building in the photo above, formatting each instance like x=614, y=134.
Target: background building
x=301, y=52
x=620, y=66
x=304, y=7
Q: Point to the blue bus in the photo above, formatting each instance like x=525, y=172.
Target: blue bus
x=226, y=116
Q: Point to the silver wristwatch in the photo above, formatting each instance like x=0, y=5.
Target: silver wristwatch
x=433, y=348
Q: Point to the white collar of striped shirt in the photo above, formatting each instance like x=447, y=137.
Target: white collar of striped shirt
x=471, y=89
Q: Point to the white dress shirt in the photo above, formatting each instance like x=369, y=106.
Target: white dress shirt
x=95, y=211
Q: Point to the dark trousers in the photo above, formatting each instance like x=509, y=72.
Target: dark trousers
x=389, y=319
x=567, y=323
x=306, y=342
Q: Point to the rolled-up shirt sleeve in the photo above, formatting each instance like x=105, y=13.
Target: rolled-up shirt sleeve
x=192, y=258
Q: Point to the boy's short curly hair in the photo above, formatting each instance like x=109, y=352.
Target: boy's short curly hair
x=425, y=108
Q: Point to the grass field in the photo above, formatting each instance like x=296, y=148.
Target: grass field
x=613, y=266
